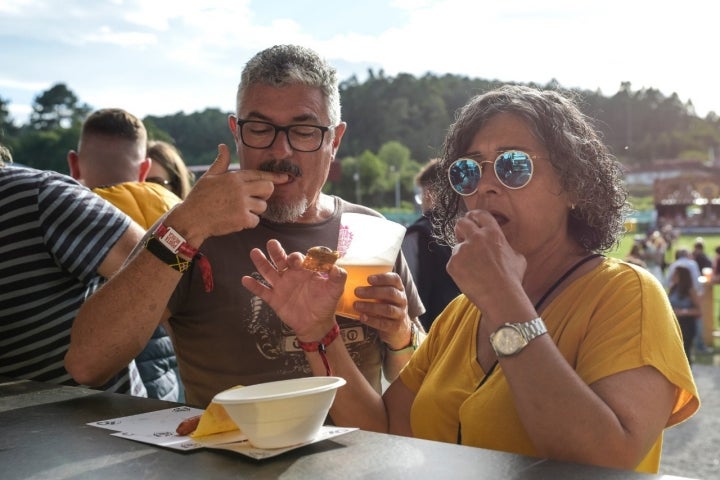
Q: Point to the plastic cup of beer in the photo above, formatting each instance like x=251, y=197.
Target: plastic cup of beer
x=368, y=245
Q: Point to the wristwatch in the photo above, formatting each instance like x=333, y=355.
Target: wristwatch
x=511, y=338
x=412, y=346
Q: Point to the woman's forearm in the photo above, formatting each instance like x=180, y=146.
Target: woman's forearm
x=356, y=404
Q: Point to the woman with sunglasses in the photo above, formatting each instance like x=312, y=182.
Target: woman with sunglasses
x=168, y=168
x=552, y=350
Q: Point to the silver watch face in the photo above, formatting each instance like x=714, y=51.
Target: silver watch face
x=507, y=341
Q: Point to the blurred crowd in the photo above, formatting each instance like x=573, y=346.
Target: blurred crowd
x=686, y=274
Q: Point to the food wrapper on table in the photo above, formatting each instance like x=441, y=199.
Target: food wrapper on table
x=214, y=419
x=215, y=430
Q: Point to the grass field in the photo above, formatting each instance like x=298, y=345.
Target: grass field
x=685, y=241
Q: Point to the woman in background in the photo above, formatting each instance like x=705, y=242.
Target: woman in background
x=168, y=168
x=686, y=305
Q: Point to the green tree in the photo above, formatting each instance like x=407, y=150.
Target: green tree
x=371, y=170
x=640, y=127
x=361, y=180
x=400, y=176
x=196, y=135
x=7, y=128
x=57, y=107
x=348, y=186
x=47, y=150
x=156, y=133
x=394, y=154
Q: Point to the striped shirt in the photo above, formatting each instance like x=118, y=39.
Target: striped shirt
x=54, y=234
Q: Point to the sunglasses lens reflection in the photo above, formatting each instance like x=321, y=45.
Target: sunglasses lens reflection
x=514, y=169
x=464, y=175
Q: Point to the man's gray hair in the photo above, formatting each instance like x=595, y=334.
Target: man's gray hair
x=284, y=65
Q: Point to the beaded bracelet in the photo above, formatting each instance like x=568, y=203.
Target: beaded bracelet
x=321, y=346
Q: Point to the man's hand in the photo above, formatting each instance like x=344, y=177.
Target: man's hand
x=303, y=299
x=223, y=201
x=387, y=310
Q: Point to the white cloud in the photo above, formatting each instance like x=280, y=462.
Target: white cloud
x=106, y=34
x=28, y=86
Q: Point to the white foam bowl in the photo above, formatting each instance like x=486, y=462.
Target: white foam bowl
x=283, y=413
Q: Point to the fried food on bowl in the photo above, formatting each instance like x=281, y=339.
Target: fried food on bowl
x=320, y=259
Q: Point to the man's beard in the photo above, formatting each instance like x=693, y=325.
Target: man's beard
x=278, y=211
x=282, y=212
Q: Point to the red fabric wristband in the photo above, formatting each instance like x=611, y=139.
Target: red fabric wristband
x=321, y=346
x=176, y=243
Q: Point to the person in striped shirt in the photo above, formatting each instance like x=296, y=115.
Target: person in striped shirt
x=56, y=238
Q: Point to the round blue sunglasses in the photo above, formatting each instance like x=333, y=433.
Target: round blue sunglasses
x=513, y=169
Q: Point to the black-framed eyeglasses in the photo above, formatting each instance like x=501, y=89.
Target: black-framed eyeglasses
x=301, y=137
x=513, y=169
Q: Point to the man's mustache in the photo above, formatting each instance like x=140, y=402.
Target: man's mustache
x=282, y=166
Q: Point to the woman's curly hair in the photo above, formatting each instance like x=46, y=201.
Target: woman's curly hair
x=587, y=171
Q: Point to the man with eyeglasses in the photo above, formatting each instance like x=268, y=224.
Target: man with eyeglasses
x=287, y=131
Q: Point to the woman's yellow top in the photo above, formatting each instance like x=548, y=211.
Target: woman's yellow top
x=614, y=318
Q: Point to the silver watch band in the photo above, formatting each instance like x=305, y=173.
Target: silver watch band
x=532, y=329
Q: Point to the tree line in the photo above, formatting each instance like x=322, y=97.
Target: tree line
x=395, y=124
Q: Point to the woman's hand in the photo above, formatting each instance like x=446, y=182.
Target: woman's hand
x=303, y=299
x=483, y=264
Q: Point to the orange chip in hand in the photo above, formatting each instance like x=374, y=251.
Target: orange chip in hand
x=320, y=259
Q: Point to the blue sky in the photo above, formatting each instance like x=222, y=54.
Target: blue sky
x=159, y=57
